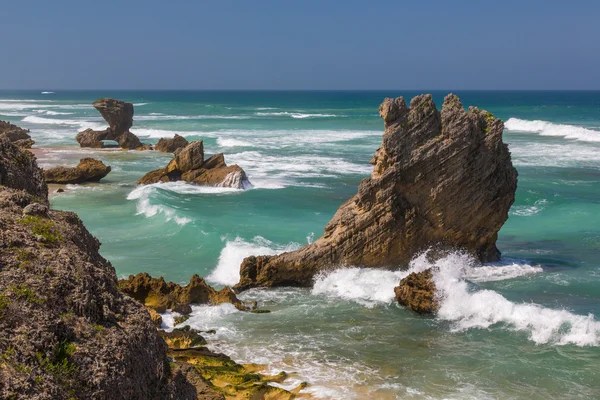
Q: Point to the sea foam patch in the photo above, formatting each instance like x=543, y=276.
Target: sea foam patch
x=545, y=128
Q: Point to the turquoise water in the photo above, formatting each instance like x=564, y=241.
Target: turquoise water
x=525, y=328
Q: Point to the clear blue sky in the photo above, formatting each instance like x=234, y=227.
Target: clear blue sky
x=254, y=44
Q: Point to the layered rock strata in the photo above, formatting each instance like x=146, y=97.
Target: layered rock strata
x=440, y=179
x=88, y=170
x=119, y=116
x=177, y=143
x=189, y=165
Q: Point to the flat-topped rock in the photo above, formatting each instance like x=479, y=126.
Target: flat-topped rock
x=88, y=170
x=440, y=179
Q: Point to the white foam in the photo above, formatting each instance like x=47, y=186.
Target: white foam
x=145, y=207
x=527, y=211
x=162, y=133
x=164, y=117
x=50, y=112
x=567, y=154
x=294, y=115
x=363, y=285
x=81, y=124
x=231, y=142
x=47, y=92
x=469, y=308
x=227, y=271
x=545, y=128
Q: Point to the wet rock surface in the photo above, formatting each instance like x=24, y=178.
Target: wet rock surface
x=441, y=179
x=88, y=170
x=417, y=292
x=171, y=145
x=18, y=136
x=189, y=165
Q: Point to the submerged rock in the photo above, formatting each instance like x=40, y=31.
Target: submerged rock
x=189, y=165
x=17, y=135
x=159, y=295
x=119, y=116
x=171, y=145
x=417, y=292
x=442, y=179
x=66, y=331
x=88, y=170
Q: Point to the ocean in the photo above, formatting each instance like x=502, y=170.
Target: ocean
x=527, y=327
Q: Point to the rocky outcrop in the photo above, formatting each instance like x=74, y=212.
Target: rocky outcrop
x=417, y=292
x=88, y=170
x=66, y=331
x=17, y=135
x=171, y=145
x=19, y=170
x=440, y=179
x=189, y=165
x=119, y=115
x=159, y=295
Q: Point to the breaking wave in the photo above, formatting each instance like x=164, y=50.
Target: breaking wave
x=545, y=128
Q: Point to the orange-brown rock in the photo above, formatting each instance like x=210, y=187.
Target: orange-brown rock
x=159, y=295
x=17, y=135
x=171, y=145
x=441, y=179
x=189, y=165
x=119, y=115
x=88, y=170
x=417, y=292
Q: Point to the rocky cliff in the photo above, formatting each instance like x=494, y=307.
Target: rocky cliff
x=119, y=116
x=189, y=165
x=66, y=331
x=440, y=179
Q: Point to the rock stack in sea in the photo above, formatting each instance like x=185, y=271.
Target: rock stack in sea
x=189, y=165
x=441, y=180
x=17, y=135
x=174, y=145
x=88, y=170
x=119, y=115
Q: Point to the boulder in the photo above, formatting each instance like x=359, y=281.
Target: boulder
x=17, y=135
x=159, y=295
x=171, y=145
x=88, y=170
x=66, y=331
x=189, y=165
x=119, y=116
x=183, y=338
x=440, y=179
x=417, y=292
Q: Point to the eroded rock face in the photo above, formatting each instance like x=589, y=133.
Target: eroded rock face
x=159, y=295
x=119, y=116
x=442, y=179
x=17, y=135
x=88, y=170
x=171, y=145
x=66, y=331
x=189, y=165
x=417, y=292
x=19, y=170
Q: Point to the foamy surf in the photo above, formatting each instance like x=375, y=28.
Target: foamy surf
x=545, y=128
x=144, y=206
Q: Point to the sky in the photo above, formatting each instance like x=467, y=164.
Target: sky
x=307, y=45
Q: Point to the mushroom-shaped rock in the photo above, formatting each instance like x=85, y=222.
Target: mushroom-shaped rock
x=417, y=292
x=118, y=114
x=442, y=179
x=171, y=145
x=88, y=170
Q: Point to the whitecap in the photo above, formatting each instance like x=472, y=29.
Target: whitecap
x=145, y=207
x=227, y=271
x=527, y=211
x=545, y=128
x=231, y=142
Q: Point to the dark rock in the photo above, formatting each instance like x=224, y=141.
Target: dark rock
x=88, y=170
x=441, y=179
x=171, y=145
x=17, y=135
x=189, y=165
x=417, y=292
x=183, y=339
x=66, y=331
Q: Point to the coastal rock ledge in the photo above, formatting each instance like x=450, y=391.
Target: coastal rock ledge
x=88, y=170
x=441, y=179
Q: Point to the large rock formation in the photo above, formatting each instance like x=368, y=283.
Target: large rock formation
x=441, y=179
x=159, y=295
x=119, y=116
x=17, y=135
x=417, y=292
x=88, y=170
x=66, y=331
x=189, y=165
x=171, y=145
